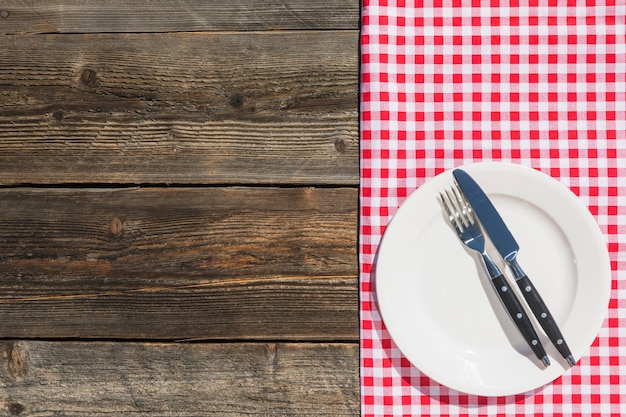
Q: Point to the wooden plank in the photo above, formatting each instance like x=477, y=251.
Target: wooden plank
x=277, y=107
x=132, y=379
x=199, y=232
x=179, y=263
x=83, y=16
x=287, y=309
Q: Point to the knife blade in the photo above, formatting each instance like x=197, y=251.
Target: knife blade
x=508, y=248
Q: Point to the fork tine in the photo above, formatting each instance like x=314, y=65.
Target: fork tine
x=451, y=206
x=448, y=209
x=457, y=208
x=466, y=213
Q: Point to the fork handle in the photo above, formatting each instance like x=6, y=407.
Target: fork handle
x=520, y=318
x=543, y=315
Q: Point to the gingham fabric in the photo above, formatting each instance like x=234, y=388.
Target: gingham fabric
x=539, y=83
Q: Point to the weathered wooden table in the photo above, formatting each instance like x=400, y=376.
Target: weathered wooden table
x=178, y=207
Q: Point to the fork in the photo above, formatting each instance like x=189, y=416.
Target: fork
x=462, y=218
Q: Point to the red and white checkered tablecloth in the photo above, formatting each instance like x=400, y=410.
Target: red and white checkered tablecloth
x=540, y=83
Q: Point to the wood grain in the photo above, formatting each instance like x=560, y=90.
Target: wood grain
x=84, y=16
x=278, y=309
x=270, y=108
x=176, y=263
x=179, y=171
x=133, y=379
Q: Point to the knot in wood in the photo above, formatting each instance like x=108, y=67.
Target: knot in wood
x=58, y=115
x=88, y=77
x=15, y=409
x=340, y=145
x=4, y=14
x=236, y=100
x=116, y=226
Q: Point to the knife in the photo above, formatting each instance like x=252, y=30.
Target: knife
x=506, y=245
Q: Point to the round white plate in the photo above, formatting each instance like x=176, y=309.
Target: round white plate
x=438, y=304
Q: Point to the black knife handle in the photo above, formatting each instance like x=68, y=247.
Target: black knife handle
x=519, y=317
x=543, y=315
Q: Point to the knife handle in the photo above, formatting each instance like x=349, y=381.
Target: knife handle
x=519, y=317
x=543, y=315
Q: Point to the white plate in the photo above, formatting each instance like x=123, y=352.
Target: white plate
x=438, y=304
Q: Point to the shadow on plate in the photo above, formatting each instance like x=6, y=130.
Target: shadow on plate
x=422, y=383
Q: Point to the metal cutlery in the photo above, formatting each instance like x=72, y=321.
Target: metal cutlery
x=508, y=248
x=465, y=223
